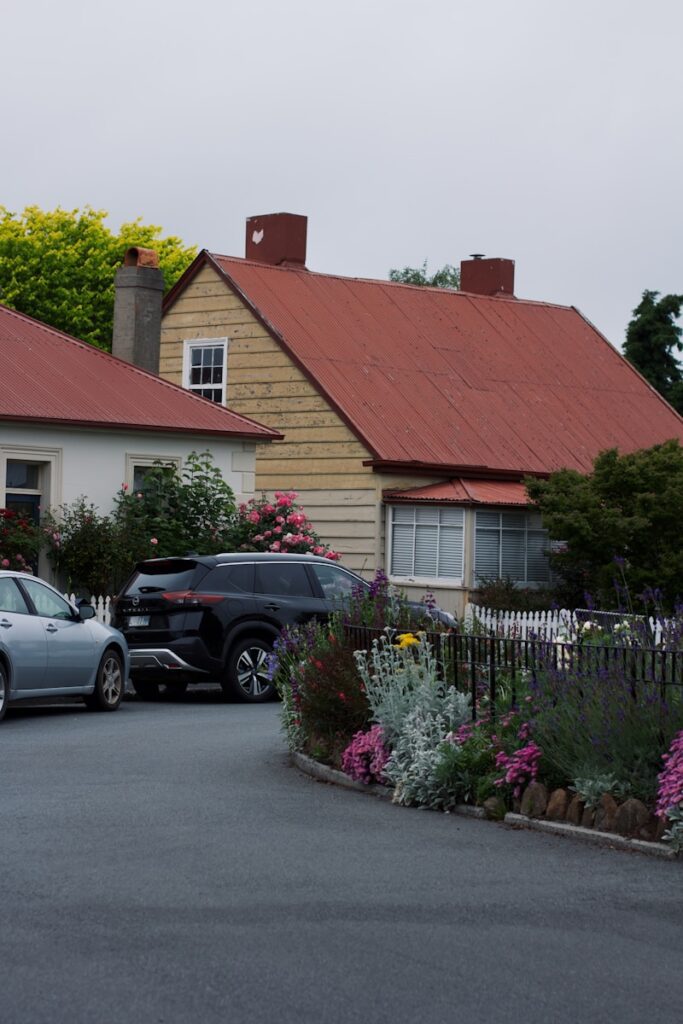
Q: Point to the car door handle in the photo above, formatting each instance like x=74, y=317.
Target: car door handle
x=51, y=628
x=6, y=624
x=272, y=607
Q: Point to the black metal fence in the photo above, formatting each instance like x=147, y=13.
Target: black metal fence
x=484, y=666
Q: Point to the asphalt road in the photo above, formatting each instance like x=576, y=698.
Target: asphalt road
x=167, y=864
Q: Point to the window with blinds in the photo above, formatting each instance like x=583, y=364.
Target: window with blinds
x=426, y=541
x=510, y=544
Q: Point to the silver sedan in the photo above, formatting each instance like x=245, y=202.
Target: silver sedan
x=50, y=648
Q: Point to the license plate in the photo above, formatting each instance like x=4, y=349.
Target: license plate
x=138, y=620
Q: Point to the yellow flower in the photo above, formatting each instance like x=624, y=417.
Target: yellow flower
x=406, y=640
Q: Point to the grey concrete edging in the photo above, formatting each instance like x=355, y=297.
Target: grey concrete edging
x=589, y=835
x=323, y=773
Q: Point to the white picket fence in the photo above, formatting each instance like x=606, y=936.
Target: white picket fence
x=102, y=606
x=515, y=624
x=544, y=625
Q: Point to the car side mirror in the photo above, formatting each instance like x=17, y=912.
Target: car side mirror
x=86, y=611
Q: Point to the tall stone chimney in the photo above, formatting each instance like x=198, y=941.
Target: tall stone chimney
x=278, y=239
x=487, y=276
x=139, y=292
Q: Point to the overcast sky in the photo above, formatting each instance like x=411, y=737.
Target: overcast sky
x=550, y=133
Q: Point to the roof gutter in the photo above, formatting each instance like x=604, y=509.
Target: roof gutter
x=441, y=469
x=149, y=428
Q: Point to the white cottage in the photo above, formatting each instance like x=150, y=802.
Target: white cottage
x=77, y=421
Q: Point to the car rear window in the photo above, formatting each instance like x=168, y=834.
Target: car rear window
x=286, y=579
x=229, y=579
x=164, y=575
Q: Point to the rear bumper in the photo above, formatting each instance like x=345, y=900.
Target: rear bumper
x=163, y=660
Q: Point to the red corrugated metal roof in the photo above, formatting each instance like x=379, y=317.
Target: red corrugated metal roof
x=47, y=376
x=465, y=492
x=438, y=378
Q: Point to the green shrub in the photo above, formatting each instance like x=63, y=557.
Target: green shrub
x=323, y=699
x=84, y=548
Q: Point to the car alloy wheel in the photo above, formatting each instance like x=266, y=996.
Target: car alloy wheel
x=109, y=683
x=248, y=673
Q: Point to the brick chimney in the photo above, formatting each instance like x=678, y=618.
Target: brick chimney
x=139, y=285
x=278, y=239
x=487, y=277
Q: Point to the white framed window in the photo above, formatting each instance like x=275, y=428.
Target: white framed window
x=510, y=544
x=137, y=467
x=205, y=368
x=426, y=543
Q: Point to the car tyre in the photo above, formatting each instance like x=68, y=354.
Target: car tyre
x=146, y=689
x=109, y=683
x=4, y=691
x=246, y=675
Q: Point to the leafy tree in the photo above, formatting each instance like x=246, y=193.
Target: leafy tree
x=620, y=525
x=58, y=266
x=447, y=277
x=652, y=339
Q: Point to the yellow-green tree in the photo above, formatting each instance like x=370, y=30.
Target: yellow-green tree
x=59, y=265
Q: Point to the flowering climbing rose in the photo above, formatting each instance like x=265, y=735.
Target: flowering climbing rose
x=280, y=525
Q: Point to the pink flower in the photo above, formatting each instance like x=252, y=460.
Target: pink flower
x=366, y=755
x=5, y=563
x=153, y=540
x=280, y=519
x=670, y=789
x=254, y=516
x=277, y=529
x=317, y=550
x=333, y=556
x=275, y=546
x=124, y=487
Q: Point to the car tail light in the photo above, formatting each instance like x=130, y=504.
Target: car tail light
x=189, y=599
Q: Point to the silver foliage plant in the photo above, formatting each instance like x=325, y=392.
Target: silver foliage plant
x=416, y=710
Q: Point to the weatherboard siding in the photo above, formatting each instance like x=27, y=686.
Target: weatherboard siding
x=320, y=457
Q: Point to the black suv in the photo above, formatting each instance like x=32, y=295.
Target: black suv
x=215, y=617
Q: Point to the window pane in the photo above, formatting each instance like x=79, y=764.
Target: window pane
x=335, y=582
x=402, y=549
x=206, y=375
x=450, y=551
x=286, y=579
x=538, y=566
x=197, y=356
x=487, y=553
x=513, y=520
x=403, y=514
x=489, y=519
x=426, y=538
x=48, y=604
x=512, y=561
x=451, y=516
x=11, y=600
x=22, y=475
x=426, y=515
x=218, y=356
x=227, y=579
